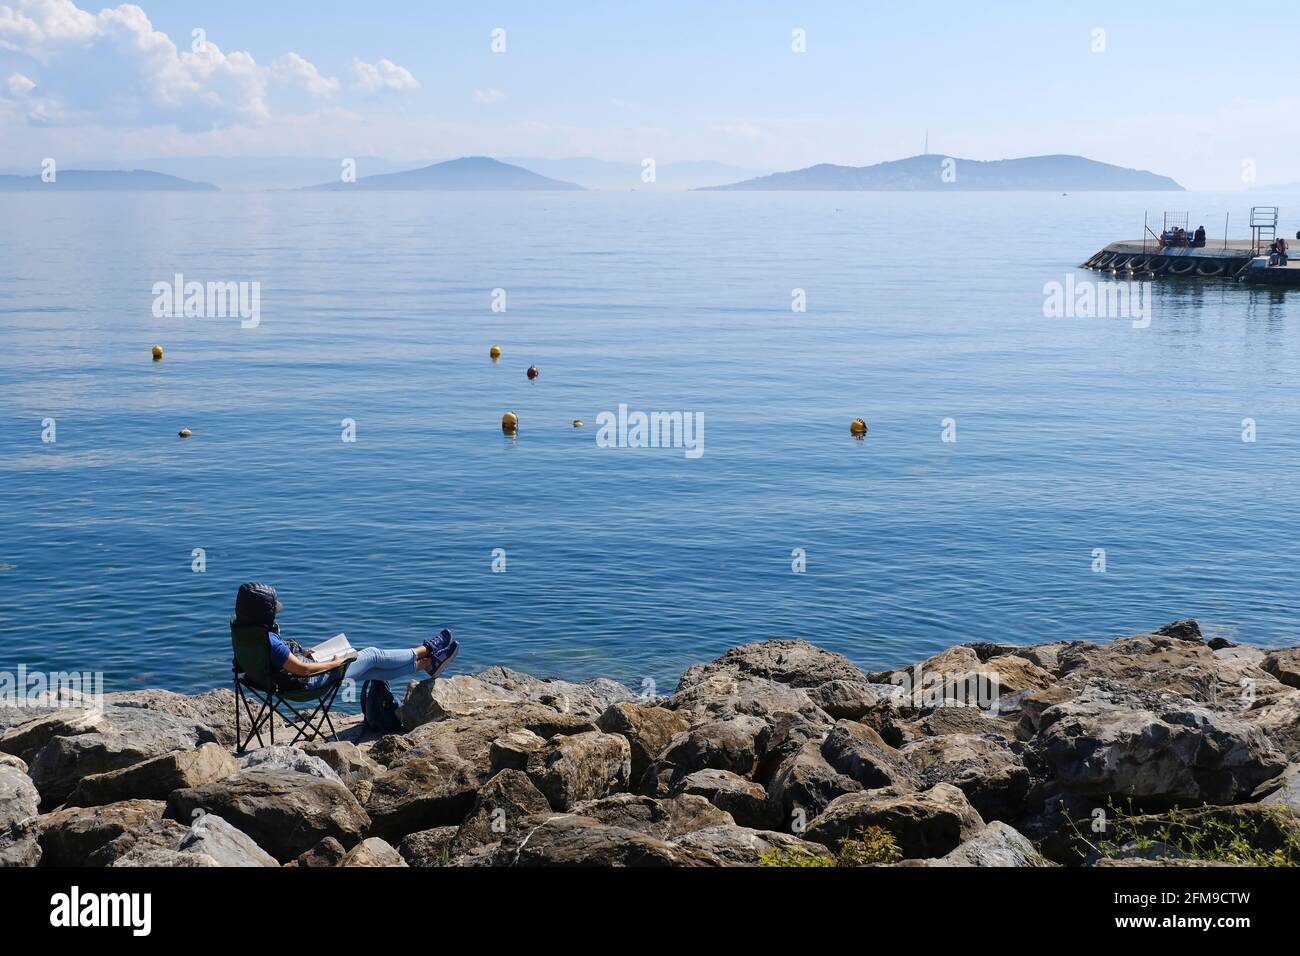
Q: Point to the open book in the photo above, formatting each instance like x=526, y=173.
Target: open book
x=337, y=646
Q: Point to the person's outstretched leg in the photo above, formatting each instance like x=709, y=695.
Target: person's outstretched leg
x=373, y=663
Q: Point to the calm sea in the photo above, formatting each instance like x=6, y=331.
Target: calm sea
x=1072, y=434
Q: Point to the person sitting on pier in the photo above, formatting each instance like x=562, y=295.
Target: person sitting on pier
x=1199, y=238
x=1279, y=252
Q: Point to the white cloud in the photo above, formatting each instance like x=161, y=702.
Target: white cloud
x=19, y=85
x=488, y=96
x=292, y=68
x=384, y=75
x=114, y=68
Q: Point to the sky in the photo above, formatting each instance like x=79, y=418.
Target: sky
x=1201, y=92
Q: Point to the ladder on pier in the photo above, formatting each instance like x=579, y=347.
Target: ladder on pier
x=1263, y=227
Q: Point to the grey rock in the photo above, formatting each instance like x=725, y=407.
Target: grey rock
x=155, y=778
x=499, y=805
x=373, y=852
x=149, y=855
x=419, y=793
x=806, y=784
x=288, y=759
x=70, y=836
x=511, y=751
x=926, y=823
x=328, y=852
x=845, y=699
x=344, y=758
x=285, y=812
x=430, y=847
x=662, y=819
x=993, y=778
x=567, y=839
x=996, y=845
x=859, y=753
x=648, y=729
x=211, y=836
x=742, y=846
x=1125, y=743
x=745, y=800
x=571, y=769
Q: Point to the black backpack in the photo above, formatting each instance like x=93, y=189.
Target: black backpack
x=379, y=707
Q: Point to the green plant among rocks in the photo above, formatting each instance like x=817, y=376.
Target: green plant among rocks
x=867, y=846
x=1238, y=836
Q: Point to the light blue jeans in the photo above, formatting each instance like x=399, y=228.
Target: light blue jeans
x=372, y=663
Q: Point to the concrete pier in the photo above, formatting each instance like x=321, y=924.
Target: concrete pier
x=1233, y=260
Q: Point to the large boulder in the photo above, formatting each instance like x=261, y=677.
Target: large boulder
x=996, y=845
x=993, y=778
x=19, y=806
x=329, y=852
x=958, y=675
x=663, y=819
x=19, y=799
x=796, y=663
x=285, y=812
x=25, y=738
x=734, y=744
x=499, y=805
x=571, y=769
x=511, y=751
x=373, y=852
x=858, y=752
x=1117, y=742
x=742, y=846
x=431, y=847
x=211, y=836
x=461, y=696
x=845, y=699
x=71, y=836
x=215, y=709
x=648, y=730
x=567, y=839
x=926, y=823
x=154, y=857
x=154, y=779
x=745, y=800
x=344, y=758
x=419, y=793
x=806, y=784
x=129, y=735
x=471, y=737
x=288, y=759
x=1284, y=665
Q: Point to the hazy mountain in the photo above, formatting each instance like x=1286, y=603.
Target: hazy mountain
x=927, y=172
x=114, y=180
x=615, y=175
x=258, y=172
x=468, y=173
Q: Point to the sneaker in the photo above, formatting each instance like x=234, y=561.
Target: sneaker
x=442, y=651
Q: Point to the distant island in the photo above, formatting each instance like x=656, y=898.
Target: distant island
x=937, y=172
x=468, y=173
x=104, y=180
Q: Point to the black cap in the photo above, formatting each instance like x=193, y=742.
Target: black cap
x=257, y=604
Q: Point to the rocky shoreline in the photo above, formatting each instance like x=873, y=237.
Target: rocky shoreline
x=1152, y=750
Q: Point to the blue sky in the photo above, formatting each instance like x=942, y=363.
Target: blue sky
x=1199, y=96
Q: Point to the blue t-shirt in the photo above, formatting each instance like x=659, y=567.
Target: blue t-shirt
x=279, y=650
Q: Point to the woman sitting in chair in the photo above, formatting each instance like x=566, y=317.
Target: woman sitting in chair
x=257, y=605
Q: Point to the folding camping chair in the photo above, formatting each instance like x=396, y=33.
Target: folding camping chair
x=255, y=678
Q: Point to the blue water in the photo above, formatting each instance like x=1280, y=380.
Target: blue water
x=1072, y=434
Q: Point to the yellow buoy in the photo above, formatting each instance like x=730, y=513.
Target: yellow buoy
x=185, y=433
x=858, y=427
x=157, y=353
x=509, y=423
x=577, y=423
x=495, y=352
